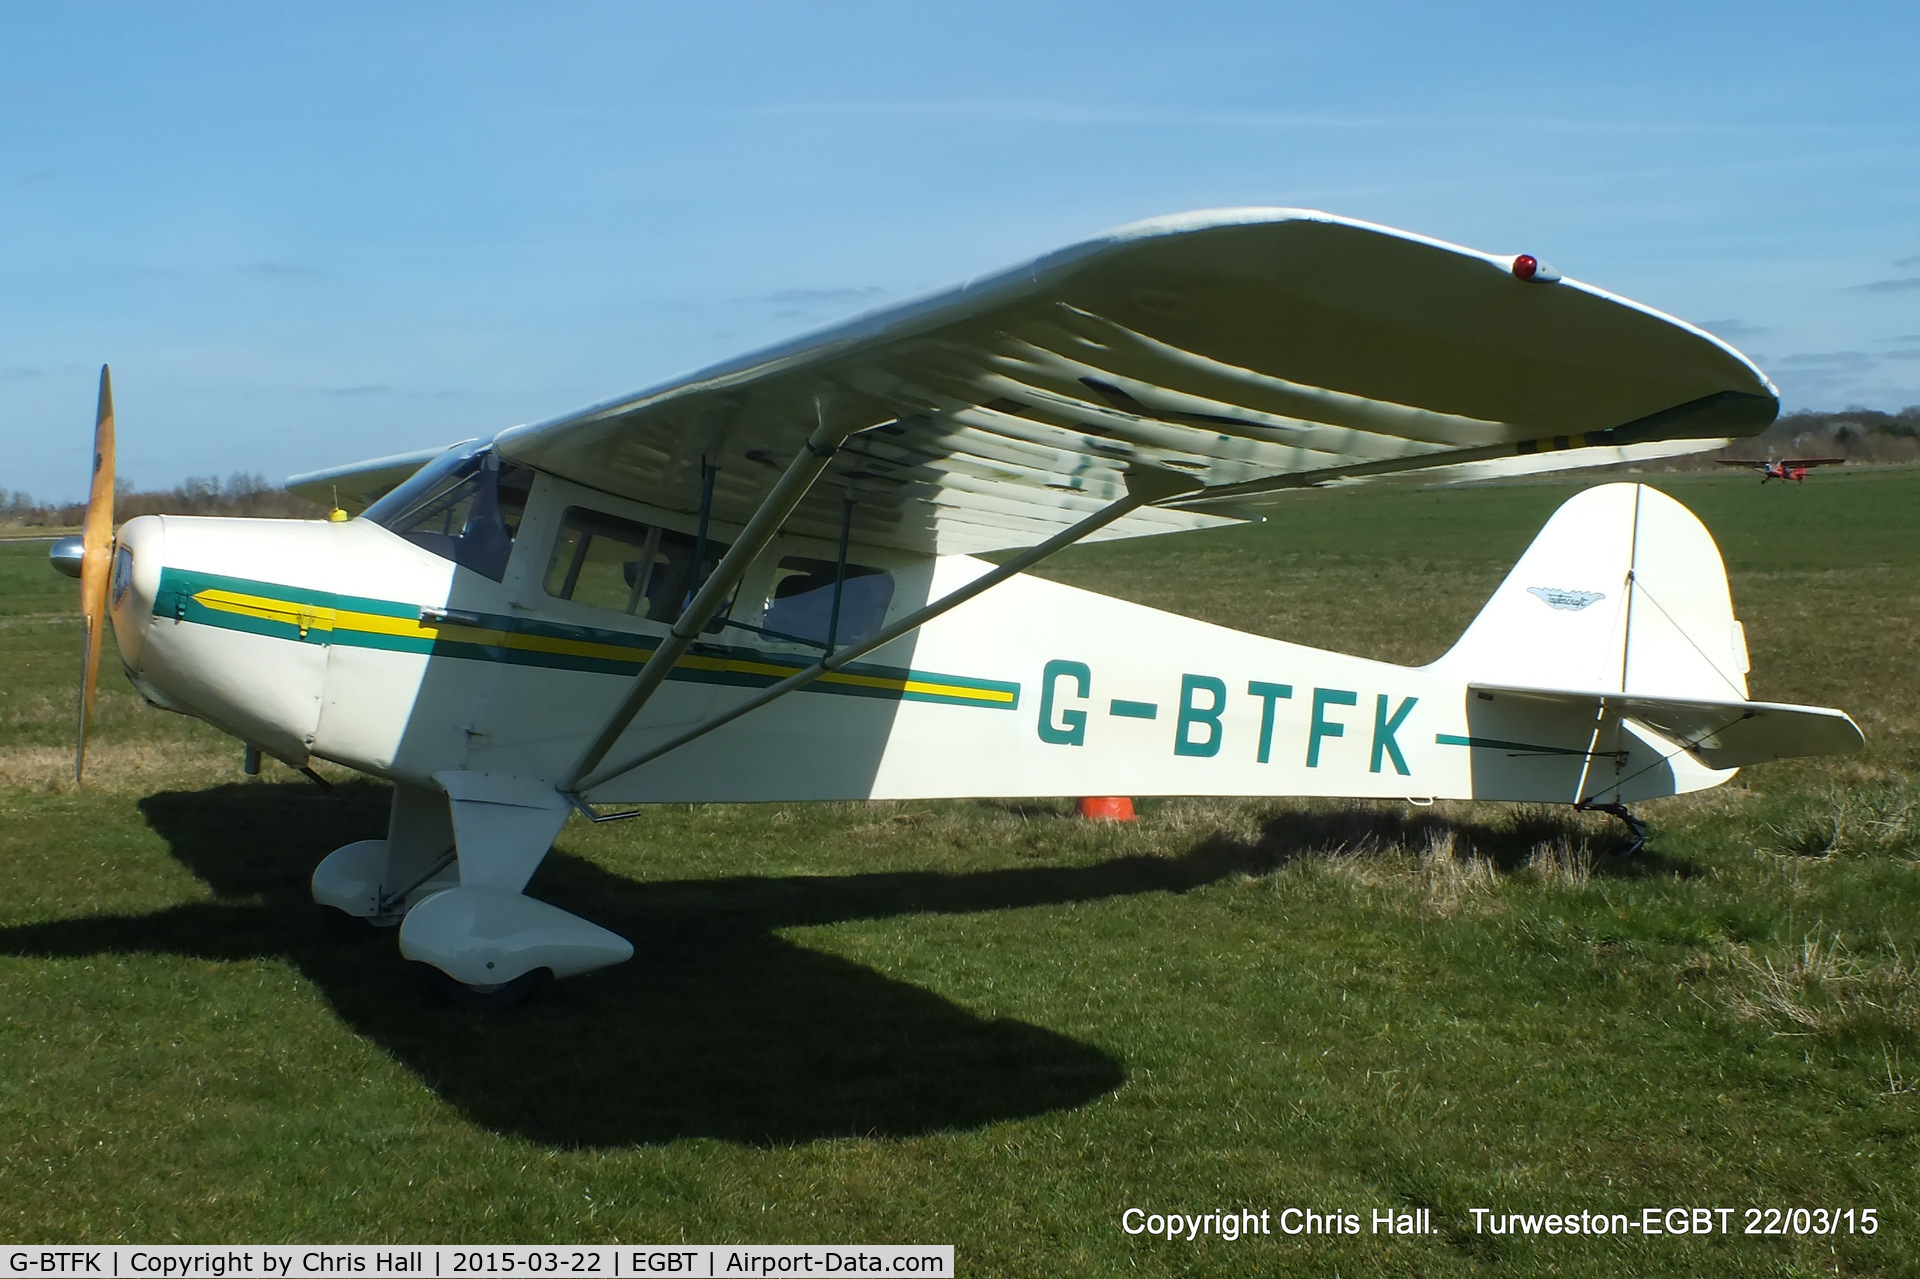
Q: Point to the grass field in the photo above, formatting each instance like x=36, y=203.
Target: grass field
x=994, y=1025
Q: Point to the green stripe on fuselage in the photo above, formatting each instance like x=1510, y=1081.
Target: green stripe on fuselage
x=316, y=617
x=1495, y=744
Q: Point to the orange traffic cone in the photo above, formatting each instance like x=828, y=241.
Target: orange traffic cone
x=1106, y=808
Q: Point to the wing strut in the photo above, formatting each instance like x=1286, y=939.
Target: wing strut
x=765, y=525
x=1145, y=486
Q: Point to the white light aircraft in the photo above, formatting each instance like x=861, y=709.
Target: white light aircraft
x=759, y=582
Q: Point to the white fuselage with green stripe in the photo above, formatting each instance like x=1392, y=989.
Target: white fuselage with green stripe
x=346, y=642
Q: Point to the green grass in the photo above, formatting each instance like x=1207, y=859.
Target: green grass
x=994, y=1025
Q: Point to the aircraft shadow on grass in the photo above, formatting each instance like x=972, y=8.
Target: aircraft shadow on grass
x=717, y=1028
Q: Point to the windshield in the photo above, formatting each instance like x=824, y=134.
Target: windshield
x=464, y=506
x=458, y=459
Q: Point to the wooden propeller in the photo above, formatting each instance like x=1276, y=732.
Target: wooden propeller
x=96, y=565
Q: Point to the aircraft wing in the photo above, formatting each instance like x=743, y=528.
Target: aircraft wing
x=1255, y=350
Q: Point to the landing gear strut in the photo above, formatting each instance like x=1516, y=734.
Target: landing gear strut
x=1636, y=827
x=458, y=856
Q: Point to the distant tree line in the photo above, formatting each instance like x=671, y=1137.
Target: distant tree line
x=1859, y=435
x=238, y=494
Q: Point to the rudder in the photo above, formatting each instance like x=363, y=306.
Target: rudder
x=1623, y=591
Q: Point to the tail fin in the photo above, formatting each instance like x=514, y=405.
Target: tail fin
x=1622, y=592
x=1612, y=651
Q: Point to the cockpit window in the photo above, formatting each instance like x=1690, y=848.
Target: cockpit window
x=464, y=506
x=801, y=605
x=628, y=567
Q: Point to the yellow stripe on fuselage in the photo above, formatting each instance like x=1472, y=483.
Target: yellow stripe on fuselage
x=305, y=616
x=318, y=617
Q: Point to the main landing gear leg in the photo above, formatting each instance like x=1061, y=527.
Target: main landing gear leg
x=376, y=881
x=486, y=943
x=1634, y=825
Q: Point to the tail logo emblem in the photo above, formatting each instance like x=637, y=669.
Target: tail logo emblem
x=1572, y=601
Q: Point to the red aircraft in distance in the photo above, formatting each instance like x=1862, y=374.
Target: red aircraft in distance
x=1787, y=468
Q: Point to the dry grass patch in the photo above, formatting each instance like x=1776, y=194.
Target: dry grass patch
x=1450, y=882
x=1824, y=987
x=1877, y=821
x=1562, y=862
x=136, y=768
x=1435, y=869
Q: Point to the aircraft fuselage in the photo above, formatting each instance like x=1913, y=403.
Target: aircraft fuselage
x=348, y=642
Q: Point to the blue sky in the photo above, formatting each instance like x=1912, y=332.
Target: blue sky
x=308, y=234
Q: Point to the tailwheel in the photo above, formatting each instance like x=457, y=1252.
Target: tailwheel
x=1635, y=827
x=440, y=989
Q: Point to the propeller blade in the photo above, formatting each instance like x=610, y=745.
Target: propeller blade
x=96, y=564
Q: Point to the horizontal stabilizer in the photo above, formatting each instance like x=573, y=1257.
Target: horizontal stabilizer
x=1720, y=734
